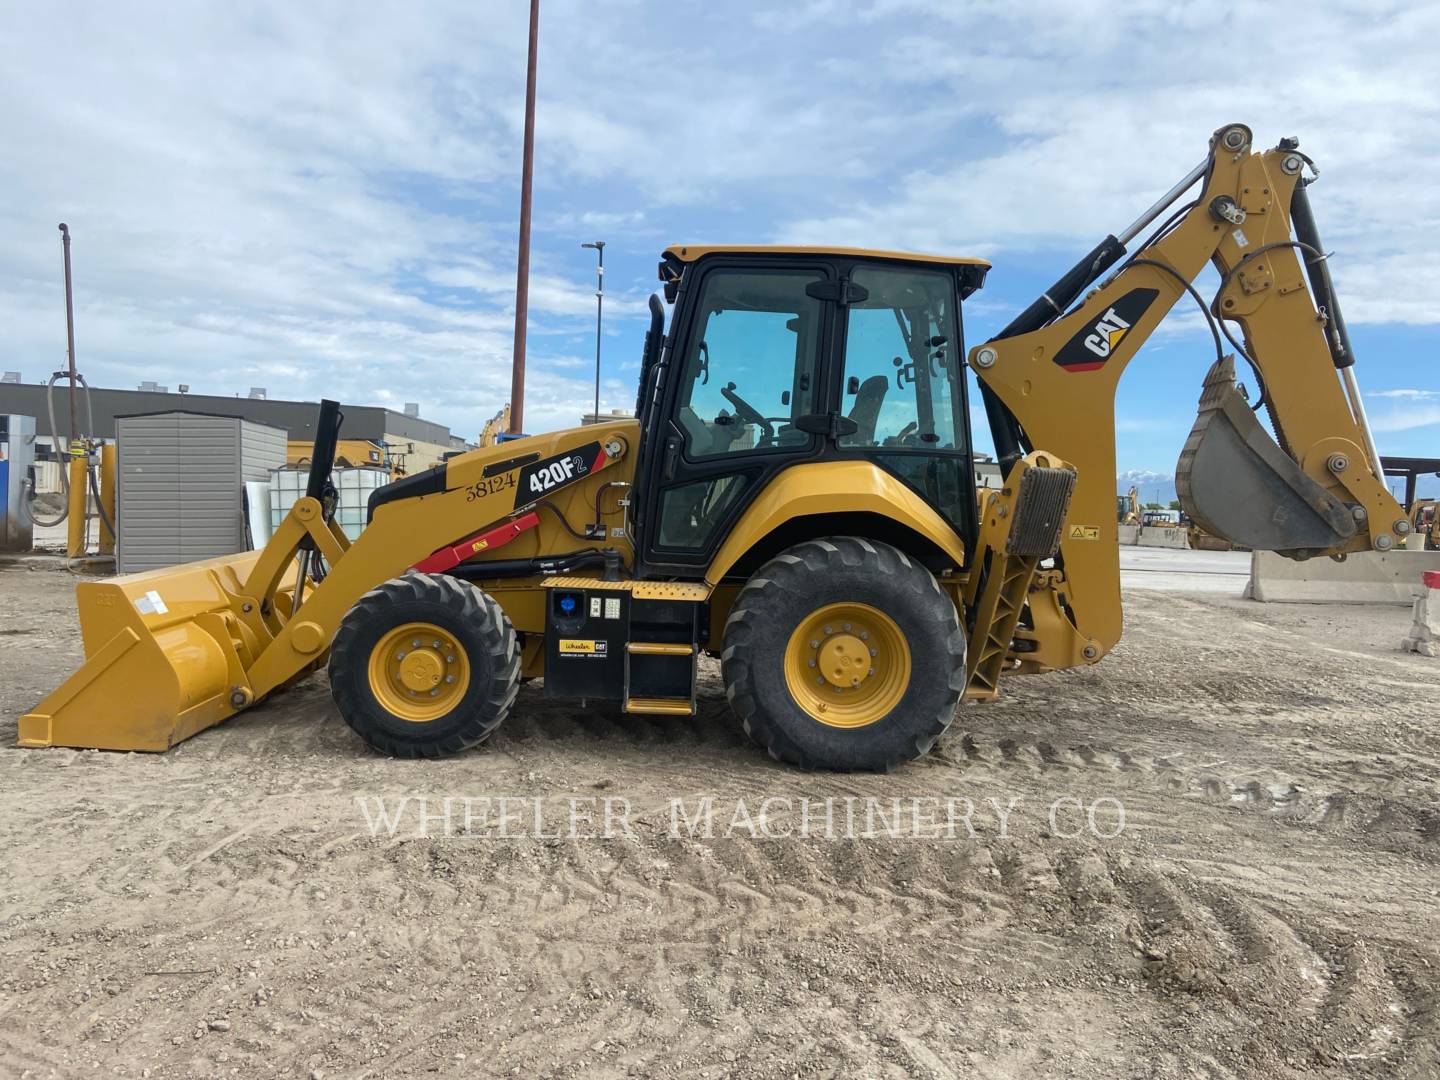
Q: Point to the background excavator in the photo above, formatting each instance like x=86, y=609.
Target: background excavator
x=795, y=495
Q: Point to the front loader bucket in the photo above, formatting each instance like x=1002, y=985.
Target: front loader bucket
x=166, y=653
x=1237, y=484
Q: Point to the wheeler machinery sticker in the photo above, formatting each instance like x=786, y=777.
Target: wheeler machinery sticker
x=1096, y=340
x=1083, y=532
x=582, y=647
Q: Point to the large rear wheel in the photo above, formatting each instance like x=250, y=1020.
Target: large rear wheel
x=424, y=666
x=844, y=654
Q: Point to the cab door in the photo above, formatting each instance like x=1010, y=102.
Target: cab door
x=902, y=383
x=745, y=366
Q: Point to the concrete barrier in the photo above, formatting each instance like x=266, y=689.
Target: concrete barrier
x=1129, y=535
x=1164, y=538
x=1369, y=577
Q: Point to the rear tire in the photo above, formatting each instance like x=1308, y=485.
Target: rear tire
x=796, y=646
x=424, y=666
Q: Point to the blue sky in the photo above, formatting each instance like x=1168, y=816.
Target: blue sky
x=322, y=198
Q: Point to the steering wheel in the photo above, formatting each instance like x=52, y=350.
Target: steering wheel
x=747, y=413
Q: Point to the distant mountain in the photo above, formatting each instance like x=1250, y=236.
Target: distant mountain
x=1160, y=487
x=1154, y=486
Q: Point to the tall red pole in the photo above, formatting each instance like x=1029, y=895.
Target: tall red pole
x=522, y=266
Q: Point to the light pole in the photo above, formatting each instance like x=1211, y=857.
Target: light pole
x=599, y=246
x=522, y=261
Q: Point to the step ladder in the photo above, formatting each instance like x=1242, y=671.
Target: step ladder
x=661, y=657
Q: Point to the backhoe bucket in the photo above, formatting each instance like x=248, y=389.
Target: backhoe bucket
x=166, y=654
x=1237, y=484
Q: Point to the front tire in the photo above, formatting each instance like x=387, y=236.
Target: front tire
x=424, y=666
x=844, y=654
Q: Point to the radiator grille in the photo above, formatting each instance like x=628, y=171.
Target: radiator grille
x=1040, y=511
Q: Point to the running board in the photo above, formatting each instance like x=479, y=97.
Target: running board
x=661, y=706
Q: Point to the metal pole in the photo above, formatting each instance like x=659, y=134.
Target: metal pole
x=522, y=267
x=599, y=246
x=70, y=330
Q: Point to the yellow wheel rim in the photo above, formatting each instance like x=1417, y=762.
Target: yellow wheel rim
x=419, y=672
x=847, y=665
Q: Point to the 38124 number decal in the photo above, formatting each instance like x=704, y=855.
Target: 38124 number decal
x=490, y=485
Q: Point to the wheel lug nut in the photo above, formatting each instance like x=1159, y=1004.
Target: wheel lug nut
x=400, y=656
x=814, y=644
x=415, y=644
x=829, y=629
x=449, y=659
x=870, y=672
x=812, y=663
x=845, y=627
x=820, y=679
x=864, y=635
x=434, y=693
x=449, y=678
x=874, y=652
x=435, y=643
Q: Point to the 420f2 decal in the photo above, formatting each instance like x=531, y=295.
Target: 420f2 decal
x=539, y=478
x=1096, y=340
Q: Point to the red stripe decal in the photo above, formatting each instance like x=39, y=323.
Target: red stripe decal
x=447, y=558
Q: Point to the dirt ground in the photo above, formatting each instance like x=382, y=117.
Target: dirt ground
x=1270, y=909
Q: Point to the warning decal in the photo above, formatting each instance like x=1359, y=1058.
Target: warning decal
x=1083, y=532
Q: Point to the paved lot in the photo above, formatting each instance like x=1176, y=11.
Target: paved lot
x=1165, y=570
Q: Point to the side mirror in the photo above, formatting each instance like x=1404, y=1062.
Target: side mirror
x=852, y=385
x=785, y=397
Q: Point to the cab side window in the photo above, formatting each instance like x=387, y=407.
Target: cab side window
x=750, y=369
x=902, y=362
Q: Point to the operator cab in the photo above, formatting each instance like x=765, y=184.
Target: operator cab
x=778, y=356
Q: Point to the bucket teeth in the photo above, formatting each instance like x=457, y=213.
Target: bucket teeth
x=1235, y=482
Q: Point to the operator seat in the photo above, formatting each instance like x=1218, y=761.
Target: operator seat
x=866, y=410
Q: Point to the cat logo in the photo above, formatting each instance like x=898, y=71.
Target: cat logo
x=1108, y=332
x=1093, y=344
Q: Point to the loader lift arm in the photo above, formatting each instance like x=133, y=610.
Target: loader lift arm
x=1049, y=383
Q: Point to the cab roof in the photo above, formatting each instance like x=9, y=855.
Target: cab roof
x=691, y=252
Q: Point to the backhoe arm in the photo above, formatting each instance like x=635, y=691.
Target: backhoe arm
x=1051, y=386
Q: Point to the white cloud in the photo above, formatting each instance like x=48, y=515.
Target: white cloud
x=324, y=199
x=1077, y=119
x=1419, y=395
x=1406, y=419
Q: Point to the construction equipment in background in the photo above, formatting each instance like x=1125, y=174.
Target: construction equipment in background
x=1127, y=507
x=1424, y=534
x=351, y=454
x=1422, y=511
x=496, y=426
x=795, y=495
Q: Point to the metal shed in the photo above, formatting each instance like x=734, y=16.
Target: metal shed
x=181, y=483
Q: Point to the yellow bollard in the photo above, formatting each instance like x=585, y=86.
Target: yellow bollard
x=77, y=537
x=107, y=498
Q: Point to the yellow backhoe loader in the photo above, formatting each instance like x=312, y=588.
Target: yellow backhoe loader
x=795, y=495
